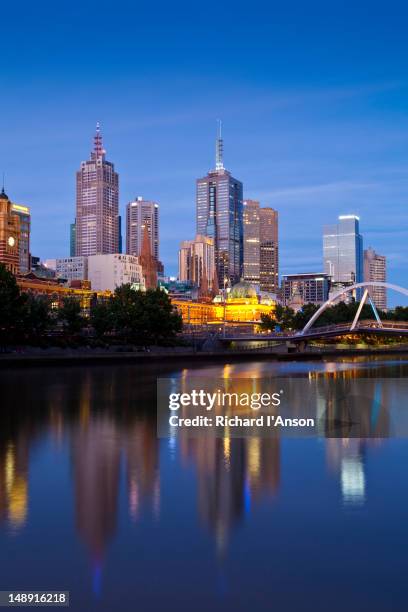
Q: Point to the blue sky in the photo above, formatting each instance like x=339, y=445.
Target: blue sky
x=313, y=98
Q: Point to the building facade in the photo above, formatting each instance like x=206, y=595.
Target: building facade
x=97, y=204
x=219, y=215
x=72, y=268
x=142, y=213
x=24, y=215
x=309, y=288
x=343, y=251
x=375, y=269
x=72, y=239
x=106, y=272
x=9, y=235
x=261, y=252
x=196, y=261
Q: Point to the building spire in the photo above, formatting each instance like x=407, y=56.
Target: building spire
x=219, y=148
x=99, y=151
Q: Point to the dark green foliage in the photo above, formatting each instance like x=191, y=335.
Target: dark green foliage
x=70, y=315
x=137, y=317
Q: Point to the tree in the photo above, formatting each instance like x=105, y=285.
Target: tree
x=144, y=317
x=36, y=315
x=102, y=318
x=70, y=315
x=11, y=308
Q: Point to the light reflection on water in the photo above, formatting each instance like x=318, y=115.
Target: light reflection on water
x=91, y=501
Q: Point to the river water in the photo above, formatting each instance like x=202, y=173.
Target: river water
x=92, y=502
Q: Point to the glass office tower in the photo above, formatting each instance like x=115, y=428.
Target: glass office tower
x=343, y=251
x=219, y=201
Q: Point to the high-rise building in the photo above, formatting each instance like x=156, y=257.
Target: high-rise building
x=23, y=213
x=261, y=253
x=72, y=268
x=252, y=251
x=142, y=213
x=375, y=269
x=72, y=239
x=220, y=216
x=119, y=234
x=196, y=261
x=106, y=272
x=97, y=204
x=343, y=251
x=10, y=233
x=308, y=288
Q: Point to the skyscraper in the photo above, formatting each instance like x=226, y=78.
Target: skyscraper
x=220, y=216
x=343, y=251
x=24, y=215
x=375, y=269
x=141, y=213
x=196, y=260
x=97, y=204
x=261, y=254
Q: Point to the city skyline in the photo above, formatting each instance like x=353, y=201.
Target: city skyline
x=311, y=134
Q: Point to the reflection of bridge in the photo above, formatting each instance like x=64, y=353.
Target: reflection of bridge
x=377, y=327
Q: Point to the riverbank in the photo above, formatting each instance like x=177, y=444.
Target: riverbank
x=162, y=356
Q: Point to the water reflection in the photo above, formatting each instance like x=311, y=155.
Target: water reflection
x=104, y=420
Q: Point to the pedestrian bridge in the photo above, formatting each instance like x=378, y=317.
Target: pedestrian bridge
x=356, y=327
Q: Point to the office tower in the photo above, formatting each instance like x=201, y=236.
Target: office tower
x=220, y=216
x=252, y=251
x=375, y=269
x=97, y=204
x=106, y=272
x=71, y=268
x=9, y=235
x=196, y=261
x=261, y=253
x=309, y=288
x=72, y=240
x=23, y=213
x=142, y=213
x=119, y=234
x=269, y=252
x=343, y=251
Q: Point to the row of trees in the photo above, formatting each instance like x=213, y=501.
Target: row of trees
x=129, y=316
x=287, y=319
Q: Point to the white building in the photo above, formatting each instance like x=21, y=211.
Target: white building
x=72, y=268
x=106, y=272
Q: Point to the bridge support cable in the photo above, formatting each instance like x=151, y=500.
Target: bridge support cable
x=359, y=309
x=377, y=316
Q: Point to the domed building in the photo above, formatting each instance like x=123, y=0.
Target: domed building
x=243, y=291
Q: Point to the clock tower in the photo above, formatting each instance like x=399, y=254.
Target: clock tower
x=9, y=235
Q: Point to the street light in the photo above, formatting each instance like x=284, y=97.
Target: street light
x=226, y=290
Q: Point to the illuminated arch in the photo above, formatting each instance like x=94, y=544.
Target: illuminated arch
x=349, y=290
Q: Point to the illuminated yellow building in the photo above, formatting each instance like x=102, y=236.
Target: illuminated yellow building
x=242, y=305
x=45, y=286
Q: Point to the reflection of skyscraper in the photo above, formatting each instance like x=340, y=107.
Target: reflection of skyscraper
x=230, y=473
x=14, y=458
x=96, y=459
x=219, y=216
x=97, y=204
x=141, y=447
x=346, y=456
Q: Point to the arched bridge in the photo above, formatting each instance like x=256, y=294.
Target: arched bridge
x=377, y=327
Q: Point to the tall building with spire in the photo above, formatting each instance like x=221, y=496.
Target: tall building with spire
x=97, y=204
x=219, y=215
